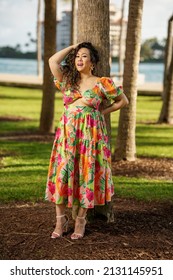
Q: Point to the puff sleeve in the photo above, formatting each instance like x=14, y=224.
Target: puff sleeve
x=59, y=85
x=109, y=90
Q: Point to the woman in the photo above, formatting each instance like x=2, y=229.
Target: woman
x=79, y=172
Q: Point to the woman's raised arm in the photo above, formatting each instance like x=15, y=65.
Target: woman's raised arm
x=56, y=59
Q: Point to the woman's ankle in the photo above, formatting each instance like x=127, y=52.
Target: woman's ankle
x=60, y=210
x=82, y=212
x=79, y=229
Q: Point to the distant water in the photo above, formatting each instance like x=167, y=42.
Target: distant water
x=153, y=71
x=18, y=66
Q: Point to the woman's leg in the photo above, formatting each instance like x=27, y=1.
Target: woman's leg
x=61, y=221
x=60, y=209
x=80, y=223
x=82, y=212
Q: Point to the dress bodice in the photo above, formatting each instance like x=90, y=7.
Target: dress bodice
x=104, y=88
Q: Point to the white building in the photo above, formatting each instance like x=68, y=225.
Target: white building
x=115, y=29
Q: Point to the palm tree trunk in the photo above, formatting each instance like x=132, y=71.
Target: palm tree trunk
x=169, y=47
x=169, y=92
x=167, y=107
x=47, y=111
x=126, y=144
x=165, y=110
x=93, y=26
x=73, y=22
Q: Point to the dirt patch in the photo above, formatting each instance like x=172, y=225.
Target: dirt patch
x=140, y=231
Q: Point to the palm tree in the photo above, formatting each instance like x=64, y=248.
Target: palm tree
x=167, y=106
x=74, y=21
x=169, y=92
x=47, y=111
x=93, y=26
x=126, y=144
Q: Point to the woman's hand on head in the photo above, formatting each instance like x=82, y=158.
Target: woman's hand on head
x=76, y=45
x=56, y=59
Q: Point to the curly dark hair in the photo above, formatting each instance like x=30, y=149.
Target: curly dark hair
x=70, y=74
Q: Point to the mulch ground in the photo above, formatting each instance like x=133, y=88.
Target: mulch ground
x=141, y=230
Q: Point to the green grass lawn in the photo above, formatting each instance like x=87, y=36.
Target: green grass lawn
x=24, y=164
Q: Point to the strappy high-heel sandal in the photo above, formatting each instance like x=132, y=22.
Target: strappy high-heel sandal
x=79, y=228
x=61, y=226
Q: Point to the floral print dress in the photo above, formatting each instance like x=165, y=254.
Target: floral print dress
x=80, y=164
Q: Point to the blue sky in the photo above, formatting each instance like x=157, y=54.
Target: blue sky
x=17, y=18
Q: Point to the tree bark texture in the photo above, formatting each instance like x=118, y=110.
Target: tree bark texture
x=47, y=111
x=168, y=48
x=73, y=22
x=169, y=92
x=167, y=105
x=126, y=144
x=93, y=26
